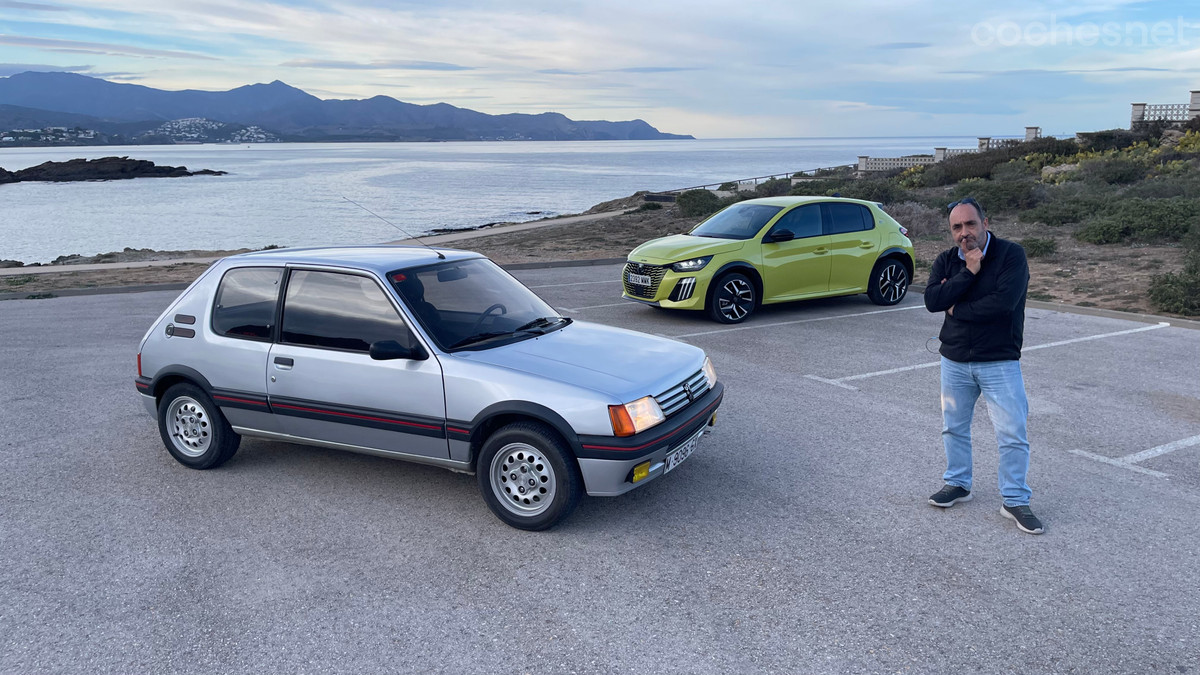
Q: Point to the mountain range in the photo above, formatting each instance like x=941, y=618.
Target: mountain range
x=33, y=100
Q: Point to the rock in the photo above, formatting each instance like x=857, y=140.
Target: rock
x=11, y=263
x=105, y=168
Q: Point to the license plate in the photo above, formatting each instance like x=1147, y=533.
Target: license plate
x=640, y=279
x=676, y=457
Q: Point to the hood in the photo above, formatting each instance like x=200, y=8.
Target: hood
x=679, y=247
x=624, y=364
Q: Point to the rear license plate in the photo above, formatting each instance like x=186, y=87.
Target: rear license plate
x=640, y=279
x=676, y=456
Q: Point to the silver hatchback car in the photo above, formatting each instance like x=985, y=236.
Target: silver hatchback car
x=430, y=355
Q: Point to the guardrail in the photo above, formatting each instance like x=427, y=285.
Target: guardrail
x=670, y=195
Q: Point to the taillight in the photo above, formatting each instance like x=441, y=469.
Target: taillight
x=139, y=364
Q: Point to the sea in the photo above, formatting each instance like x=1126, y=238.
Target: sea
x=315, y=194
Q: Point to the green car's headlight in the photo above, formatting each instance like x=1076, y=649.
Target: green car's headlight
x=693, y=265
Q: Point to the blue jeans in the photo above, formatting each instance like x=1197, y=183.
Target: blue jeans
x=1004, y=390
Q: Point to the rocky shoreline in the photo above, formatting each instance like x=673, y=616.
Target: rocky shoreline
x=104, y=168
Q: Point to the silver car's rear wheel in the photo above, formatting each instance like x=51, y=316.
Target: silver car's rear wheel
x=190, y=426
x=193, y=429
x=527, y=476
x=522, y=479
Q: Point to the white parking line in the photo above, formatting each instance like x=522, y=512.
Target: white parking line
x=840, y=382
x=1118, y=462
x=1130, y=461
x=615, y=304
x=792, y=323
x=1161, y=450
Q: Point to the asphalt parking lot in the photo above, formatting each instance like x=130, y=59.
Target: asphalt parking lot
x=796, y=539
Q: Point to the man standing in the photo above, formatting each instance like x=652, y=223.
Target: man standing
x=980, y=284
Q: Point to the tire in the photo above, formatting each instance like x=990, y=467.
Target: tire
x=192, y=427
x=528, y=477
x=889, y=282
x=731, y=299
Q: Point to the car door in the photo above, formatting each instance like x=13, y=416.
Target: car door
x=241, y=324
x=854, y=245
x=323, y=383
x=799, y=266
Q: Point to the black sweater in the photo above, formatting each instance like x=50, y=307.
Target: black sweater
x=989, y=308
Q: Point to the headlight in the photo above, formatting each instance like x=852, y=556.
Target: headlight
x=710, y=373
x=691, y=265
x=635, y=417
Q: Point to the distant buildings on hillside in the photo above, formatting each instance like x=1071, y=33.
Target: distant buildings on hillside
x=1144, y=113
x=867, y=164
x=189, y=130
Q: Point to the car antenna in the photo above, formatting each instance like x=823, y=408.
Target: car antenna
x=439, y=253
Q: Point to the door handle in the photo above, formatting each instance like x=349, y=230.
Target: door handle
x=866, y=244
x=284, y=362
x=820, y=251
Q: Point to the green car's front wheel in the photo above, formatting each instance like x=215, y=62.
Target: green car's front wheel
x=731, y=299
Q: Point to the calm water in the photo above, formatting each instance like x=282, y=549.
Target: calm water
x=292, y=194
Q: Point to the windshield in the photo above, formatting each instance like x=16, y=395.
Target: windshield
x=473, y=304
x=739, y=221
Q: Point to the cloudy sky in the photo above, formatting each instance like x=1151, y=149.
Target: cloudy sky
x=771, y=68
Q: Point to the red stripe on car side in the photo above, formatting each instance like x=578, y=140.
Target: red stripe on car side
x=357, y=417
x=239, y=400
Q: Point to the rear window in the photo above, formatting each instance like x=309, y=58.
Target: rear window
x=844, y=217
x=245, y=305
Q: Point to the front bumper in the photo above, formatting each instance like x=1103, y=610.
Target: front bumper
x=607, y=462
x=667, y=288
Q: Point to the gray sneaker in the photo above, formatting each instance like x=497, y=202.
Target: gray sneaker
x=1023, y=515
x=950, y=495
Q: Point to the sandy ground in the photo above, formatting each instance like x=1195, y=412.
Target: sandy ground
x=1108, y=277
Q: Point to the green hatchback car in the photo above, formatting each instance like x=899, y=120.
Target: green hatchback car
x=775, y=249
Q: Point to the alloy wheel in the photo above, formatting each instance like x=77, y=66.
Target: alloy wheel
x=523, y=479
x=735, y=299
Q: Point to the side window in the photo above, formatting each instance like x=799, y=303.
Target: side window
x=339, y=311
x=844, y=217
x=245, y=305
x=803, y=221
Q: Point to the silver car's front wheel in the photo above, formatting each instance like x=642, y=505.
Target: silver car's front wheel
x=528, y=477
x=522, y=479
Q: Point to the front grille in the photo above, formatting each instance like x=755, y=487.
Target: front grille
x=655, y=272
x=678, y=397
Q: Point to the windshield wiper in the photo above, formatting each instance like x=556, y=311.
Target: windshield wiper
x=480, y=338
x=542, y=322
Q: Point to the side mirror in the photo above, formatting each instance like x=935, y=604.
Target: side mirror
x=387, y=350
x=781, y=235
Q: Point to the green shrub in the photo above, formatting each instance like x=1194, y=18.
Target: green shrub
x=820, y=188
x=1112, y=171
x=773, y=187
x=1063, y=211
x=997, y=196
x=728, y=187
x=696, y=203
x=1111, y=139
x=1182, y=185
x=1179, y=293
x=1039, y=248
x=1142, y=219
x=649, y=206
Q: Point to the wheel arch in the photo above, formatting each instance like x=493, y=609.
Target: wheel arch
x=499, y=415
x=741, y=267
x=897, y=253
x=170, y=376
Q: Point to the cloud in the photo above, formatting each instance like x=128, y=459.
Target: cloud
x=904, y=45
x=652, y=69
x=559, y=71
x=374, y=65
x=31, y=6
x=76, y=46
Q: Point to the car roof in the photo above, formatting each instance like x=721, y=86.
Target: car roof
x=792, y=200
x=381, y=259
